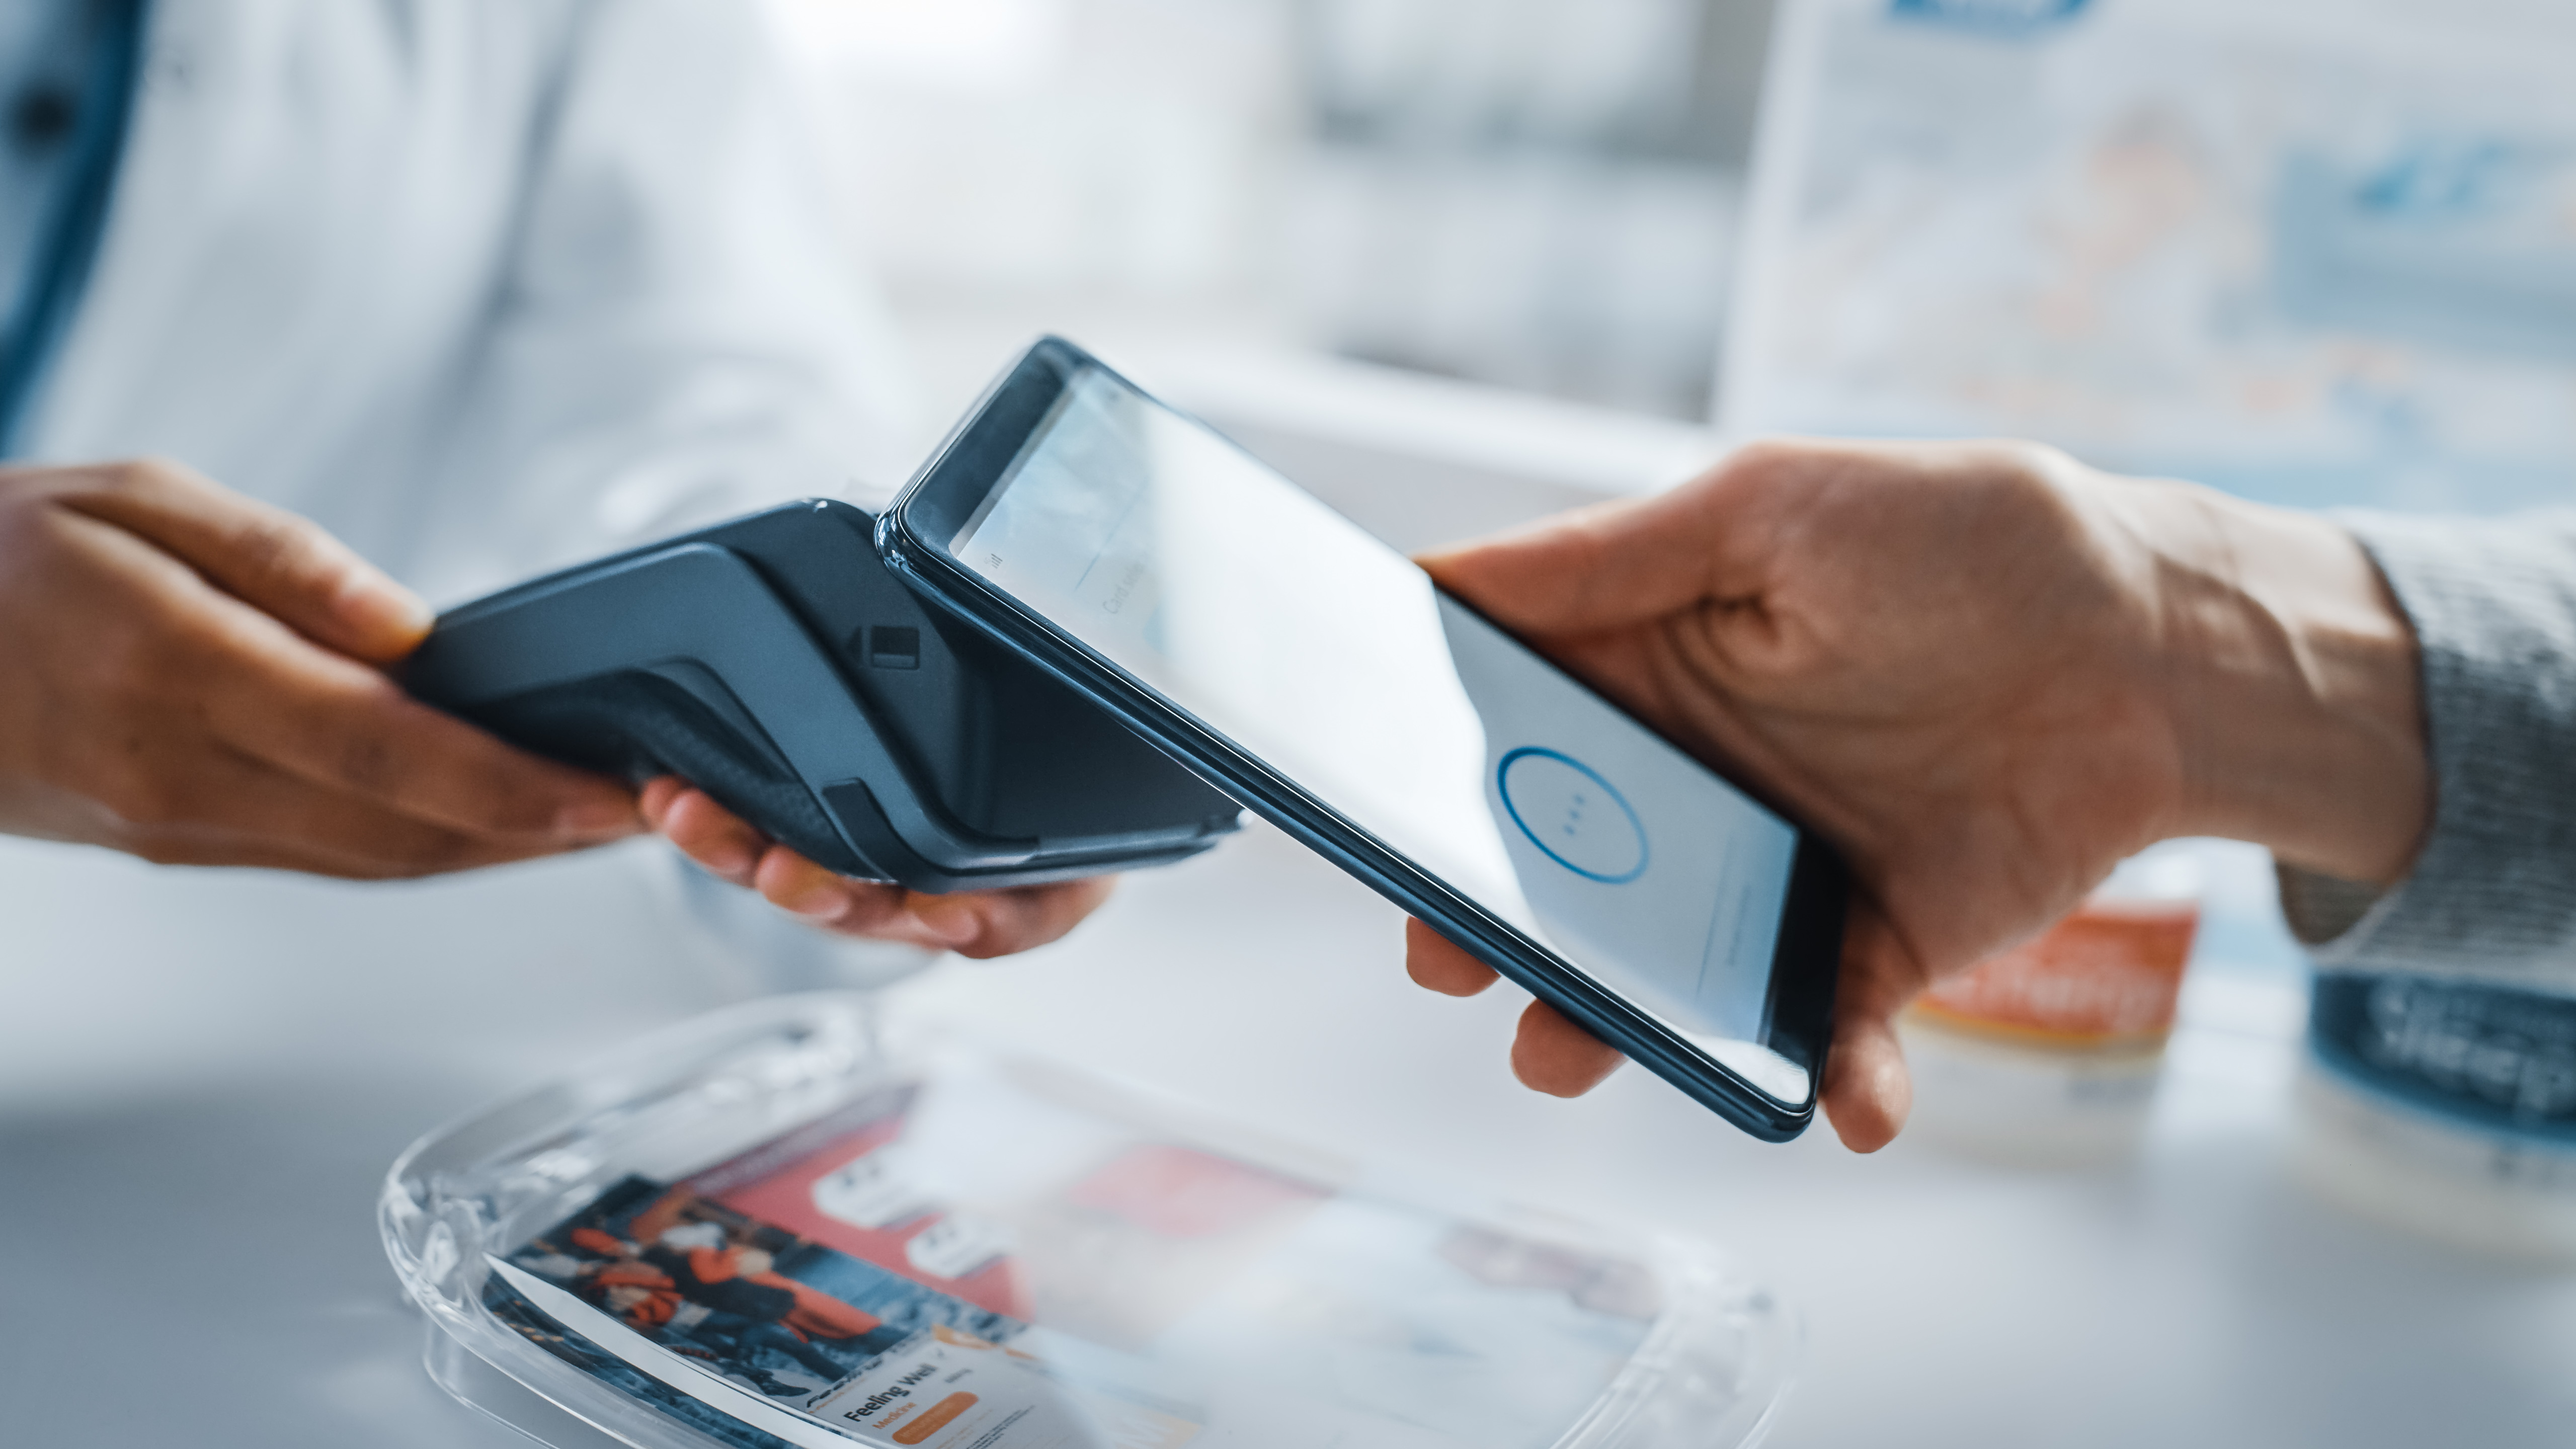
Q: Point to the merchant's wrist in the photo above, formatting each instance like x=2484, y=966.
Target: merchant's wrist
x=2293, y=677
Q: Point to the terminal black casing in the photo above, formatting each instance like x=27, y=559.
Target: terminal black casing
x=775, y=663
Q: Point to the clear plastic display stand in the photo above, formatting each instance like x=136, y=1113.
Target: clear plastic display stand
x=764, y=1228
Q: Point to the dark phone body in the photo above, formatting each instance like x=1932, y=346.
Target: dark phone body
x=775, y=663
x=1806, y=957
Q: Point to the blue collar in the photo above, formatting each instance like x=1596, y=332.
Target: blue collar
x=61, y=266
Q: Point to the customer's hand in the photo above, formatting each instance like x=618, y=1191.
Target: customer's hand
x=195, y=678
x=1987, y=674
x=970, y=923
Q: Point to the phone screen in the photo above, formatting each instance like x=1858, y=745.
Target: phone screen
x=1330, y=657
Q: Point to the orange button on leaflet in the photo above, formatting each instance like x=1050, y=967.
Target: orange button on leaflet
x=940, y=1416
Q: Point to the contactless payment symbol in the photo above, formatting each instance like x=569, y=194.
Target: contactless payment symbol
x=1573, y=815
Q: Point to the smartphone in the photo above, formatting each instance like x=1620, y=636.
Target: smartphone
x=1320, y=678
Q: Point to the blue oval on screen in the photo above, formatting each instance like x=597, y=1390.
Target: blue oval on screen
x=1574, y=816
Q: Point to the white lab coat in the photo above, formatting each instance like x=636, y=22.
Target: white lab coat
x=483, y=286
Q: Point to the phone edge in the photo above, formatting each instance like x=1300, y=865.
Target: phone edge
x=1705, y=1080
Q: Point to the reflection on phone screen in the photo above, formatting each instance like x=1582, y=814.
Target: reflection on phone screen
x=1287, y=629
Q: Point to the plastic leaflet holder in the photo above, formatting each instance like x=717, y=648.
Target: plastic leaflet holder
x=757, y=1230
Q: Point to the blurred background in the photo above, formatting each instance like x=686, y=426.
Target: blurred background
x=2322, y=253
x=1536, y=194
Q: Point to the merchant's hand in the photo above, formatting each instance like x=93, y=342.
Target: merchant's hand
x=971, y=923
x=195, y=678
x=1985, y=672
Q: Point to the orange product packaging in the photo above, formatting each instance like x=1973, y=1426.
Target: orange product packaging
x=2050, y=1053
x=2104, y=978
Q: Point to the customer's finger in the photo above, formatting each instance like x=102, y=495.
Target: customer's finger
x=1439, y=964
x=1867, y=1092
x=1551, y=1054
x=1595, y=568
x=1614, y=564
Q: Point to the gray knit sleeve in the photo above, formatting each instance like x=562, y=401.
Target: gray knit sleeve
x=2493, y=894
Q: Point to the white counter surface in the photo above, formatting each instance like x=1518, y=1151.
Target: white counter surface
x=204, y=1075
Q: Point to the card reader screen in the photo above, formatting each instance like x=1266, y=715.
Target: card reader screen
x=1330, y=657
